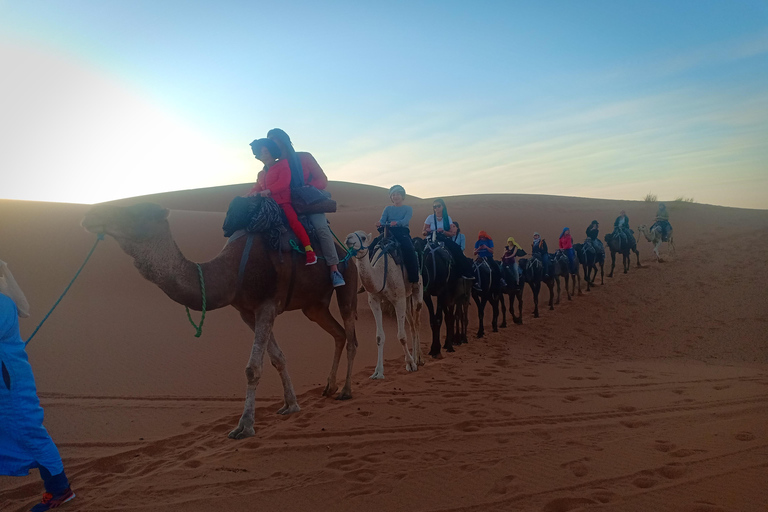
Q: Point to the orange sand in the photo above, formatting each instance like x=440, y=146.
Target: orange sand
x=648, y=393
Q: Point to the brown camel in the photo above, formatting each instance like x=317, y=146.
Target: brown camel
x=260, y=294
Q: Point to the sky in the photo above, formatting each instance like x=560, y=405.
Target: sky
x=101, y=100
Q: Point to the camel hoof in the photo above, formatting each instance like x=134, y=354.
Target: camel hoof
x=377, y=376
x=480, y=335
x=329, y=390
x=449, y=349
x=551, y=308
x=519, y=321
x=242, y=433
x=436, y=356
x=344, y=395
x=503, y=326
x=495, y=329
x=289, y=409
x=411, y=367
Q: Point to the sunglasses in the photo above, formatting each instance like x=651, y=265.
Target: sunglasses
x=436, y=206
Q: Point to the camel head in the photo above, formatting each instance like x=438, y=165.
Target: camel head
x=357, y=240
x=128, y=224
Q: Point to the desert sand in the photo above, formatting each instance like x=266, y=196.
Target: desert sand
x=647, y=393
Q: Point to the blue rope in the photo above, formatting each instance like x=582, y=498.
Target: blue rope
x=99, y=238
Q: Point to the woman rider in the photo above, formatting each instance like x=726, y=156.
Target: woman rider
x=566, y=245
x=509, y=258
x=440, y=223
x=306, y=170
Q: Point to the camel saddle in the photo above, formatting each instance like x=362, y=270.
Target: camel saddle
x=263, y=215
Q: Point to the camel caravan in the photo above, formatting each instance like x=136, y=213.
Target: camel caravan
x=280, y=255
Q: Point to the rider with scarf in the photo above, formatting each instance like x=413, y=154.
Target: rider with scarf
x=440, y=225
x=662, y=219
x=566, y=245
x=621, y=225
x=509, y=258
x=593, y=231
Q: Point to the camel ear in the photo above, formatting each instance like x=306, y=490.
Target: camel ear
x=369, y=237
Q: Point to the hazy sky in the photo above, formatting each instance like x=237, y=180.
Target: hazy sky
x=107, y=99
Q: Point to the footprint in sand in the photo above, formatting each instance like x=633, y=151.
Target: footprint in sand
x=634, y=424
x=673, y=470
x=566, y=504
x=606, y=394
x=685, y=452
x=572, y=398
x=703, y=506
x=644, y=482
x=362, y=476
x=664, y=446
x=575, y=377
x=577, y=467
x=745, y=436
x=501, y=486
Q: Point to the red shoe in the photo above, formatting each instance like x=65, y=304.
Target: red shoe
x=50, y=501
x=311, y=258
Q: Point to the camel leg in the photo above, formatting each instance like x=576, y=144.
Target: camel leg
x=435, y=321
x=277, y=359
x=320, y=314
x=656, y=246
x=557, y=280
x=551, y=295
x=504, y=310
x=613, y=263
x=402, y=311
x=412, y=321
x=495, y=311
x=374, y=301
x=449, y=311
x=480, y=302
x=519, y=319
x=671, y=246
x=535, y=290
x=629, y=258
x=263, y=319
x=577, y=278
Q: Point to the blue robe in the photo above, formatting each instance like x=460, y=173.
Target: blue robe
x=24, y=441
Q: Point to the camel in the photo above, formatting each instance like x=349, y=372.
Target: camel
x=384, y=280
x=487, y=289
x=623, y=245
x=590, y=258
x=534, y=276
x=269, y=283
x=441, y=279
x=515, y=291
x=653, y=235
x=563, y=269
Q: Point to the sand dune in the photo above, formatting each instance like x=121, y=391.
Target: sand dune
x=647, y=393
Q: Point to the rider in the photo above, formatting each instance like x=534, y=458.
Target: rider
x=592, y=233
x=460, y=239
x=622, y=224
x=314, y=176
x=445, y=229
x=276, y=182
x=662, y=219
x=566, y=245
x=397, y=216
x=509, y=259
x=539, y=248
x=484, y=252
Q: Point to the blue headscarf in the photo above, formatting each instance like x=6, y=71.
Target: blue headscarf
x=564, y=230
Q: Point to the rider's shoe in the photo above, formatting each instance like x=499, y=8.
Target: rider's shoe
x=337, y=279
x=50, y=501
x=311, y=257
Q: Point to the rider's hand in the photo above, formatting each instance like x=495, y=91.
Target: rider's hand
x=265, y=193
x=393, y=224
x=378, y=224
x=440, y=230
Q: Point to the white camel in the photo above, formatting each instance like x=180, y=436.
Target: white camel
x=654, y=236
x=406, y=298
